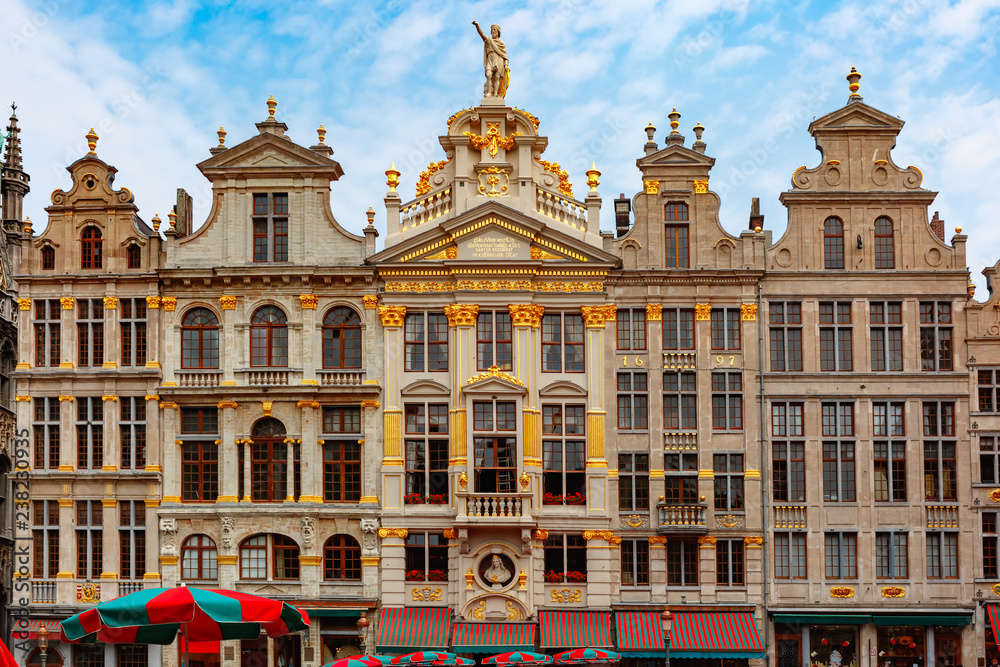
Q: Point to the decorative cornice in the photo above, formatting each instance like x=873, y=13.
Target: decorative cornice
x=654, y=312
x=494, y=372
x=525, y=314
x=495, y=286
x=751, y=473
x=393, y=532
x=169, y=560
x=370, y=301
x=461, y=314
x=152, y=302
x=227, y=302
x=703, y=312
x=607, y=535
x=749, y=312
x=169, y=302
x=308, y=301
x=313, y=561
x=110, y=302
x=392, y=316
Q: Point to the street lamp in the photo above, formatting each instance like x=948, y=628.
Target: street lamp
x=43, y=643
x=668, y=623
x=363, y=631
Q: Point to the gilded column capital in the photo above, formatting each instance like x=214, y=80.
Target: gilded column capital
x=370, y=404
x=701, y=187
x=110, y=302
x=392, y=316
x=393, y=532
x=607, y=535
x=652, y=187
x=168, y=405
x=461, y=314
x=308, y=301
x=749, y=312
x=109, y=398
x=703, y=312
x=370, y=301
x=227, y=404
x=67, y=302
x=654, y=312
x=169, y=302
x=657, y=539
x=308, y=404
x=152, y=302
x=149, y=397
x=596, y=317
x=707, y=542
x=525, y=314
x=24, y=304
x=756, y=542
x=228, y=302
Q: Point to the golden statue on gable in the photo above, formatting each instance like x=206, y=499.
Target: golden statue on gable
x=494, y=62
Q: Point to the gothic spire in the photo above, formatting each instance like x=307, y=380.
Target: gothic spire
x=12, y=142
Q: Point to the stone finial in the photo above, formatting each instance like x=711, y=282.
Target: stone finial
x=271, y=106
x=156, y=222
x=650, y=146
x=593, y=177
x=92, y=141
x=222, y=136
x=854, y=77
x=392, y=176
x=27, y=225
x=675, y=118
x=650, y=129
x=321, y=133
x=371, y=216
x=698, y=129
x=172, y=217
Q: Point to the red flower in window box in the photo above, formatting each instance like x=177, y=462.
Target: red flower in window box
x=576, y=577
x=825, y=641
x=846, y=643
x=554, y=577
x=437, y=575
x=414, y=575
x=552, y=499
x=438, y=499
x=413, y=499
x=578, y=498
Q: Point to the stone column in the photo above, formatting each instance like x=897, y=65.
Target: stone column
x=67, y=337
x=311, y=574
x=25, y=335
x=369, y=557
x=526, y=319
x=461, y=320
x=654, y=346
x=247, y=445
x=369, y=452
x=228, y=342
x=171, y=343
x=153, y=333
x=706, y=566
x=112, y=440
x=112, y=337
x=154, y=446
x=228, y=454
x=111, y=548
x=290, y=470
x=151, y=574
x=65, y=586
x=392, y=457
x=595, y=318
x=658, y=567
x=172, y=473
x=602, y=546
x=312, y=348
x=67, y=417
x=753, y=550
x=394, y=565
x=312, y=453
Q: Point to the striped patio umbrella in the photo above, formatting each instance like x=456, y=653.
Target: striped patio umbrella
x=580, y=656
x=518, y=659
x=155, y=615
x=424, y=658
x=360, y=661
x=454, y=662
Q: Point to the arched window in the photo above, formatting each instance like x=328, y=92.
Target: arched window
x=282, y=552
x=342, y=559
x=52, y=657
x=92, y=247
x=48, y=258
x=199, y=558
x=268, y=337
x=885, y=252
x=200, y=339
x=342, y=339
x=134, y=257
x=269, y=464
x=833, y=243
x=676, y=235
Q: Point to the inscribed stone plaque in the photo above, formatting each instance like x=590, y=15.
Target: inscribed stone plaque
x=493, y=245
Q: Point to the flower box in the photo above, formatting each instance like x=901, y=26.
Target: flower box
x=415, y=575
x=576, y=577
x=438, y=499
x=576, y=499
x=553, y=499
x=437, y=575
x=413, y=499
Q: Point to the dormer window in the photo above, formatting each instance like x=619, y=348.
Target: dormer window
x=833, y=243
x=676, y=235
x=885, y=252
x=92, y=246
x=134, y=257
x=48, y=258
x=270, y=228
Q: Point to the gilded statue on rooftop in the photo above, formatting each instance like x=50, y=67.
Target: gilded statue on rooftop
x=494, y=62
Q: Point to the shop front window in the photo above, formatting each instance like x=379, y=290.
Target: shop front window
x=834, y=645
x=947, y=647
x=901, y=645
x=992, y=653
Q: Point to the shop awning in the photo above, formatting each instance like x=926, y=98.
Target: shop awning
x=640, y=634
x=332, y=612
x=575, y=629
x=823, y=619
x=715, y=635
x=184, y=646
x=413, y=627
x=32, y=628
x=951, y=620
x=494, y=637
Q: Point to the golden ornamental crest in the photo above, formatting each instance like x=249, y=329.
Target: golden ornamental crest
x=565, y=187
x=493, y=140
x=893, y=592
x=424, y=180
x=393, y=532
x=607, y=535
x=494, y=372
x=490, y=178
x=842, y=592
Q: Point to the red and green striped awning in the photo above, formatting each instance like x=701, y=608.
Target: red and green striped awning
x=415, y=628
x=30, y=628
x=575, y=629
x=640, y=634
x=493, y=637
x=715, y=635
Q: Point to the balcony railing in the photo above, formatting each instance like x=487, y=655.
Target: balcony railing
x=790, y=516
x=682, y=518
x=128, y=587
x=199, y=378
x=942, y=516
x=340, y=378
x=43, y=592
x=679, y=360
x=495, y=507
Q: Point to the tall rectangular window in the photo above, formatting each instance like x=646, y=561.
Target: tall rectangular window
x=45, y=429
x=562, y=343
x=270, y=227
x=633, y=483
x=729, y=563
x=426, y=557
x=635, y=563
x=788, y=458
x=885, y=319
x=89, y=433
x=790, y=555
x=838, y=452
x=678, y=329
x=132, y=539
x=841, y=555
x=494, y=341
x=676, y=246
x=835, y=337
x=935, y=336
x=45, y=538
x=728, y=469
x=89, y=539
x=785, y=332
x=633, y=401
x=90, y=332
x=727, y=401
x=940, y=482
x=889, y=454
x=132, y=319
x=341, y=454
x=681, y=472
x=565, y=559
x=494, y=441
x=891, y=556
x=200, y=455
x=942, y=555
x=564, y=453
x=631, y=329
x=426, y=453
x=989, y=458
x=132, y=430
x=426, y=342
x=987, y=386
x=47, y=330
x=990, y=568
x=682, y=562
x=726, y=329
x=680, y=401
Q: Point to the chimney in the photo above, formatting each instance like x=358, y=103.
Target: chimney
x=185, y=211
x=937, y=226
x=623, y=206
x=756, y=219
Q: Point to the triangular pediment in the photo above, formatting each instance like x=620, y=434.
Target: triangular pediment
x=269, y=151
x=676, y=154
x=494, y=381
x=856, y=116
x=268, y=590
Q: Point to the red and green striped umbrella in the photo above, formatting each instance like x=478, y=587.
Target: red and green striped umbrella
x=424, y=658
x=518, y=659
x=454, y=662
x=580, y=656
x=154, y=615
x=360, y=661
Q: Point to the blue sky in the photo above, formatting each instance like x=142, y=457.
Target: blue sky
x=157, y=79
